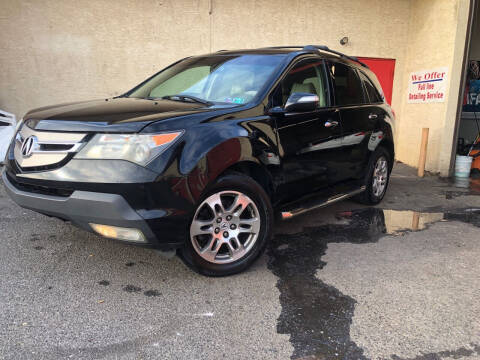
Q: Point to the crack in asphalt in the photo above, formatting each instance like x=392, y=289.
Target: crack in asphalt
x=318, y=316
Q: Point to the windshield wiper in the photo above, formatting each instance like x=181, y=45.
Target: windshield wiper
x=187, y=98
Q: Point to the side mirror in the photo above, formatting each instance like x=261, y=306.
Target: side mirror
x=301, y=102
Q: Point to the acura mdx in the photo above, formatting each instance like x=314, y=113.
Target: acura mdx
x=203, y=157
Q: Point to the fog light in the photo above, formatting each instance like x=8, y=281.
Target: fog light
x=120, y=233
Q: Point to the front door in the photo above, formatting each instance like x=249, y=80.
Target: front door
x=308, y=142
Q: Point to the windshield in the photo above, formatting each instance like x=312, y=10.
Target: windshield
x=219, y=79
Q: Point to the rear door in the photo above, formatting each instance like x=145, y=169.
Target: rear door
x=307, y=141
x=356, y=116
x=377, y=113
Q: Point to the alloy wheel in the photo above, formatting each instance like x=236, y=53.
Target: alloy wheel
x=225, y=227
x=380, y=176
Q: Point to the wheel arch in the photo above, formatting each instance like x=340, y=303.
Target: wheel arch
x=388, y=139
x=236, y=154
x=390, y=147
x=256, y=171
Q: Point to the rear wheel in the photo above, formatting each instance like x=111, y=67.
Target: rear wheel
x=230, y=227
x=378, y=177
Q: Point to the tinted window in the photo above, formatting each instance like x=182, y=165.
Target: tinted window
x=372, y=92
x=347, y=85
x=305, y=77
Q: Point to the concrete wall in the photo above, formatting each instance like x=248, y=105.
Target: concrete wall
x=56, y=51
x=436, y=38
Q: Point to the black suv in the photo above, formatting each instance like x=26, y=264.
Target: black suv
x=197, y=157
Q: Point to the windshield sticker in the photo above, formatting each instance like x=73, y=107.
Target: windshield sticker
x=235, y=100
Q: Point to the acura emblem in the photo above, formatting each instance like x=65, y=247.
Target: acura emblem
x=29, y=145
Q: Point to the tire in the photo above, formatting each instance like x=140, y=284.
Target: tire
x=227, y=239
x=373, y=193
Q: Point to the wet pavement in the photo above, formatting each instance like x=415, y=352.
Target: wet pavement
x=399, y=281
x=316, y=315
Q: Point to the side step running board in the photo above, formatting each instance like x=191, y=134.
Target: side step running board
x=318, y=203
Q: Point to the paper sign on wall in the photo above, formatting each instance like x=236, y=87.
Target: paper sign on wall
x=427, y=86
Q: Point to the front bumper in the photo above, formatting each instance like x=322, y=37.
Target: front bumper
x=84, y=207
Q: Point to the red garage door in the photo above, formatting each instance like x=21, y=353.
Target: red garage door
x=384, y=69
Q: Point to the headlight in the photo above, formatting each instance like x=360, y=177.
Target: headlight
x=137, y=148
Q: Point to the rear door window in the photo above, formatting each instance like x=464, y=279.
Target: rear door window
x=373, y=95
x=347, y=86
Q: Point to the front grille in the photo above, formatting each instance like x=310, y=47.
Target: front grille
x=45, y=150
x=37, y=189
x=56, y=147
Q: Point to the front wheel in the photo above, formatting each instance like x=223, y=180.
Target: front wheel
x=230, y=228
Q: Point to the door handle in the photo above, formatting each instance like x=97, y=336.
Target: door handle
x=372, y=116
x=330, y=123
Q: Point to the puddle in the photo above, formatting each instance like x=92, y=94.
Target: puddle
x=317, y=316
x=466, y=186
x=393, y=222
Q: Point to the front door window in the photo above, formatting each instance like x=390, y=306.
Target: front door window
x=305, y=77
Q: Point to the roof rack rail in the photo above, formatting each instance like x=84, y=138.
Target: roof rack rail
x=285, y=47
x=327, y=49
x=322, y=48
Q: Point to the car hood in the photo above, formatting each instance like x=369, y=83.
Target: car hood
x=112, y=115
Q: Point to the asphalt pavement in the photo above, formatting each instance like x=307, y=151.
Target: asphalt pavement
x=399, y=281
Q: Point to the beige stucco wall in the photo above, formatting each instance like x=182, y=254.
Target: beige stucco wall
x=56, y=51
x=436, y=38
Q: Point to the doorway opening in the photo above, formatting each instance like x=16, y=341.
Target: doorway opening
x=466, y=164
